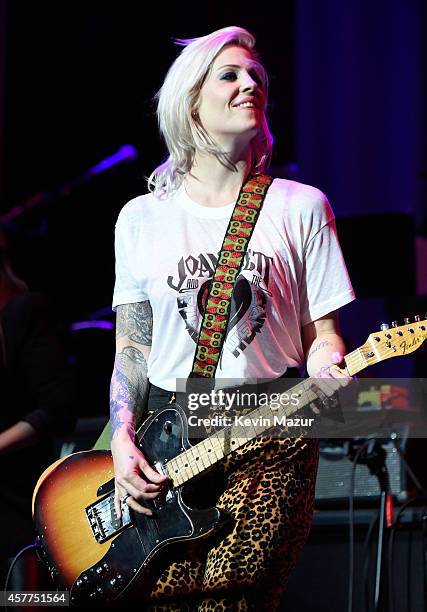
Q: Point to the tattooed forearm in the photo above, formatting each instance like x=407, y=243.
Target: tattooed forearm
x=136, y=322
x=131, y=363
x=124, y=398
x=321, y=345
x=321, y=352
x=129, y=385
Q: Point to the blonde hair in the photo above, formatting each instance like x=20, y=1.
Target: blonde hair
x=177, y=107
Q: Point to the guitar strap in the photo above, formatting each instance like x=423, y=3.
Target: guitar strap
x=218, y=304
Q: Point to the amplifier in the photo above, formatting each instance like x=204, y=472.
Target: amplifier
x=335, y=472
x=320, y=579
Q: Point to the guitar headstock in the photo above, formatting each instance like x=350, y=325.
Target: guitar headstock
x=395, y=340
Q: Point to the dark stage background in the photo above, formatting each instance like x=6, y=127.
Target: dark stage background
x=348, y=102
x=347, y=108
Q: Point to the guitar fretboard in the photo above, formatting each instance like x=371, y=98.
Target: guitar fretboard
x=206, y=453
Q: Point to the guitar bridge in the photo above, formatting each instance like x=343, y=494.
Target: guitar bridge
x=103, y=520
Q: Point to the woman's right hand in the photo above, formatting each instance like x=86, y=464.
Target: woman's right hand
x=134, y=477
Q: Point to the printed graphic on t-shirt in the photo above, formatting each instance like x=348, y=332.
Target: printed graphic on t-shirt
x=248, y=306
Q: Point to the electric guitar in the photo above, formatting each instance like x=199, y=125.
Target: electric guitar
x=101, y=558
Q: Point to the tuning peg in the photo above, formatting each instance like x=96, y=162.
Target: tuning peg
x=384, y=326
x=417, y=318
x=407, y=320
x=394, y=324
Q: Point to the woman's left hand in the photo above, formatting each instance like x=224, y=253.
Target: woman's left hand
x=333, y=376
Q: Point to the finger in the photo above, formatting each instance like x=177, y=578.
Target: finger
x=147, y=495
x=117, y=507
x=144, y=490
x=153, y=488
x=152, y=474
x=141, y=484
x=323, y=373
x=337, y=373
x=132, y=503
x=343, y=377
x=135, y=490
x=118, y=494
x=336, y=357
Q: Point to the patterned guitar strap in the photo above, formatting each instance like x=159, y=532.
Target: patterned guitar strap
x=218, y=304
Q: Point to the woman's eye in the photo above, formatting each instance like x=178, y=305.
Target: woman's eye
x=228, y=76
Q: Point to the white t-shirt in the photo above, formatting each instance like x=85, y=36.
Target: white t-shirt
x=293, y=274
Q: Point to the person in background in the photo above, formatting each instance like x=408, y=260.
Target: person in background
x=36, y=399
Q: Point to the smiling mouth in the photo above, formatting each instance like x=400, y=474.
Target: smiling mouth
x=249, y=105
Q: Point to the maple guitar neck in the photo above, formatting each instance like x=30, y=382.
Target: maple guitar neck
x=386, y=343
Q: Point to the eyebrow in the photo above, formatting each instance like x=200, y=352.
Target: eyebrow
x=253, y=65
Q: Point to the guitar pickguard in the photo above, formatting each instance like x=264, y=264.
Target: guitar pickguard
x=163, y=437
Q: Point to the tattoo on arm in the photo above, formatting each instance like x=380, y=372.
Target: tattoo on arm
x=319, y=346
x=123, y=400
x=129, y=383
x=136, y=322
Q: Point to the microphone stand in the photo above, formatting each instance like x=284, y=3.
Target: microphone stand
x=126, y=154
x=374, y=456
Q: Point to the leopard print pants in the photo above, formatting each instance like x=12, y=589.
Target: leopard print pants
x=270, y=496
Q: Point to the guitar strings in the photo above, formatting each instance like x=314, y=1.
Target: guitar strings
x=354, y=358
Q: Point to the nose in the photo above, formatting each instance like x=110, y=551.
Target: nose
x=248, y=83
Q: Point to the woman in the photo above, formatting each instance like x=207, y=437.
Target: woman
x=211, y=112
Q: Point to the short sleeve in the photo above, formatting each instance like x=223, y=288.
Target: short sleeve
x=128, y=288
x=325, y=283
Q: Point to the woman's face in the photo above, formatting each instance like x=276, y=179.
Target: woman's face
x=232, y=99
